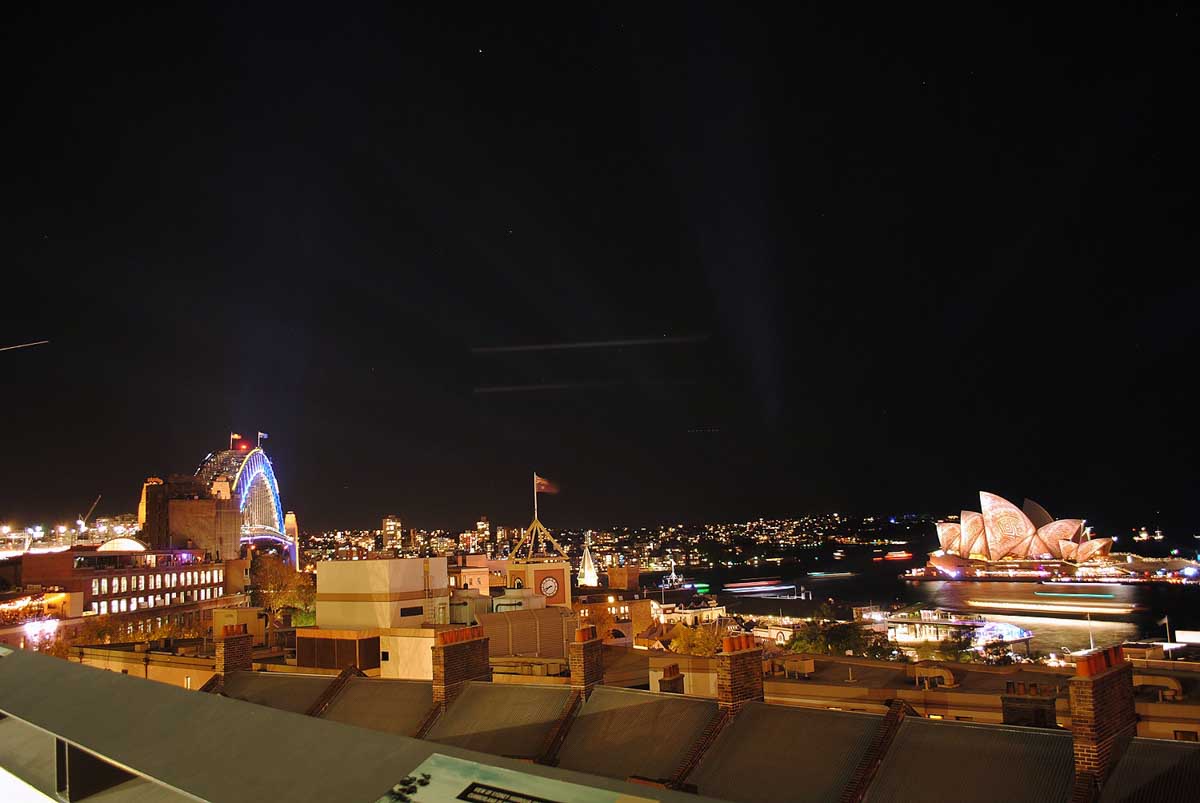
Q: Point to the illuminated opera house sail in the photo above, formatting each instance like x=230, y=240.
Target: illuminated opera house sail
x=1003, y=531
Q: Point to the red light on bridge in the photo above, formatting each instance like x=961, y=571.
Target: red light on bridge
x=243, y=446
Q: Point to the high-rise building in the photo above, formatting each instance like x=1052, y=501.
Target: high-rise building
x=483, y=535
x=393, y=532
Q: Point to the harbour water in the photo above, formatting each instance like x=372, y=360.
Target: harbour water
x=879, y=583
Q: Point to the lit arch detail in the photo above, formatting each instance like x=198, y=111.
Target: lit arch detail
x=256, y=465
x=253, y=484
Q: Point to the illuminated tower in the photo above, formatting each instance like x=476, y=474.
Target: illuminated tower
x=291, y=528
x=587, y=570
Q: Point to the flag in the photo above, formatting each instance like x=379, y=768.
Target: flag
x=262, y=435
x=1163, y=620
x=541, y=485
x=233, y=436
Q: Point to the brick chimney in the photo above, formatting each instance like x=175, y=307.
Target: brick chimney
x=459, y=656
x=739, y=673
x=586, y=655
x=234, y=653
x=671, y=681
x=1103, y=719
x=1029, y=704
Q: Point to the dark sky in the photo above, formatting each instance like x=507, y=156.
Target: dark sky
x=906, y=257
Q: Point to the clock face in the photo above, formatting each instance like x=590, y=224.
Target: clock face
x=549, y=586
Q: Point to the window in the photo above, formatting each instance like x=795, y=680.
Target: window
x=104, y=607
x=1186, y=736
x=415, y=610
x=187, y=681
x=133, y=603
x=383, y=655
x=95, y=587
x=103, y=585
x=141, y=582
x=124, y=584
x=95, y=605
x=965, y=719
x=124, y=606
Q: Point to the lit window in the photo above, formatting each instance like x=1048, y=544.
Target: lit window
x=171, y=580
x=95, y=587
x=141, y=582
x=124, y=584
x=133, y=603
x=158, y=581
x=95, y=605
x=104, y=585
x=104, y=607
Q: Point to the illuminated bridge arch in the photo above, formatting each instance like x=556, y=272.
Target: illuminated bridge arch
x=253, y=484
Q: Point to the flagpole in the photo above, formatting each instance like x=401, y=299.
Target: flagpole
x=535, y=496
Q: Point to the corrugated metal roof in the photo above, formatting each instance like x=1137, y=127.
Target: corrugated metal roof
x=285, y=691
x=391, y=706
x=771, y=752
x=502, y=719
x=184, y=740
x=931, y=761
x=624, y=732
x=1154, y=770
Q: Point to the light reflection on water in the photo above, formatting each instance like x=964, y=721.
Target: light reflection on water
x=1050, y=634
x=880, y=584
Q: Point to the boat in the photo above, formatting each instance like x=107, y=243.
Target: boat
x=902, y=554
x=761, y=587
x=673, y=581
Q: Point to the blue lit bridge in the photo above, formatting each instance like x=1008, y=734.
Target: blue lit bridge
x=253, y=485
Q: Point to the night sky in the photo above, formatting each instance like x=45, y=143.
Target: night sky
x=875, y=263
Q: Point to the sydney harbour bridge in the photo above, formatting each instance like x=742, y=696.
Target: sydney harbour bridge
x=252, y=483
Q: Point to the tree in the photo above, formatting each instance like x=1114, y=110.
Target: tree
x=838, y=638
x=278, y=586
x=702, y=640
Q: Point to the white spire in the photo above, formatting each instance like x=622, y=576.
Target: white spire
x=587, y=570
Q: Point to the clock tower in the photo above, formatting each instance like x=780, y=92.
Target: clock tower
x=540, y=563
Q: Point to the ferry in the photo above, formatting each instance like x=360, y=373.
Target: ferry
x=902, y=554
x=761, y=587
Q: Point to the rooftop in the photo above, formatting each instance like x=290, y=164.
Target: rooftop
x=625, y=732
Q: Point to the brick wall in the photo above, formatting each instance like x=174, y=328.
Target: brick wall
x=739, y=673
x=459, y=656
x=586, y=656
x=1103, y=718
x=234, y=650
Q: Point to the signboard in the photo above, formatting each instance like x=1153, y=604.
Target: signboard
x=444, y=779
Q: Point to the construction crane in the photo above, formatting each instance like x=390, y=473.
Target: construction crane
x=83, y=519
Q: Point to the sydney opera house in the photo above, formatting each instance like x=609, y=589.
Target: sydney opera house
x=1004, y=536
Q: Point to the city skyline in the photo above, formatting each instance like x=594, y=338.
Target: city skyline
x=711, y=267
